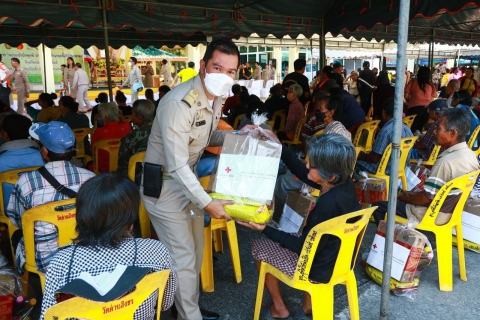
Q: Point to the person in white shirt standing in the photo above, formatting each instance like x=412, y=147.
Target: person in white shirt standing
x=5, y=90
x=80, y=86
x=134, y=76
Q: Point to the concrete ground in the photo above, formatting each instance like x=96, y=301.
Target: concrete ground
x=237, y=301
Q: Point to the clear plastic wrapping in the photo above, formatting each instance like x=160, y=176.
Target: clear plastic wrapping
x=412, y=253
x=247, y=170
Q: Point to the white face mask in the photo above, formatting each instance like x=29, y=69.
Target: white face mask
x=217, y=83
x=129, y=63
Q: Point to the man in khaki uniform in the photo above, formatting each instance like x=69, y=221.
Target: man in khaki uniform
x=20, y=85
x=185, y=124
x=80, y=87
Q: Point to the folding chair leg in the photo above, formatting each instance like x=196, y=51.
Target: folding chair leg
x=352, y=293
x=206, y=272
x=261, y=286
x=461, y=253
x=234, y=252
x=322, y=302
x=217, y=240
x=444, y=260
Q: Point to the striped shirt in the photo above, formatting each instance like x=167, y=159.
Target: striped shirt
x=452, y=163
x=338, y=128
x=383, y=139
x=32, y=190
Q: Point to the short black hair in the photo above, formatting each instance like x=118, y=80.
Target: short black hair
x=69, y=103
x=191, y=64
x=389, y=106
x=67, y=156
x=276, y=89
x=164, y=88
x=464, y=97
x=63, y=65
x=366, y=64
x=236, y=88
x=102, y=98
x=223, y=45
x=107, y=206
x=120, y=97
x=335, y=103
x=244, y=96
x=134, y=59
x=164, y=61
x=16, y=126
x=79, y=65
x=16, y=60
x=299, y=64
x=48, y=97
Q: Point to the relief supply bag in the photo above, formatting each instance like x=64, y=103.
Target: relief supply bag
x=247, y=170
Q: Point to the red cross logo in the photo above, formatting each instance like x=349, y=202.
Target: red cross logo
x=228, y=169
x=374, y=246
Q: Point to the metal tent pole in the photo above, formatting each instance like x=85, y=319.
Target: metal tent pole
x=44, y=62
x=322, y=49
x=397, y=129
x=107, y=47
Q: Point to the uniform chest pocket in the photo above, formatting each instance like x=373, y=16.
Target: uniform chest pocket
x=198, y=138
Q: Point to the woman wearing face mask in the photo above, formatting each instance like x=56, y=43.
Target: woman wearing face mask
x=331, y=113
x=134, y=76
x=165, y=72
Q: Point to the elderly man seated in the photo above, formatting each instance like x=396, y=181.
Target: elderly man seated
x=447, y=92
x=42, y=186
x=137, y=139
x=454, y=162
x=369, y=162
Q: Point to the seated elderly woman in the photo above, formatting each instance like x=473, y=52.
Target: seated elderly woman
x=331, y=162
x=106, y=209
x=115, y=126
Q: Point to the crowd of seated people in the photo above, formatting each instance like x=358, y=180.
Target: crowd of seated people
x=104, y=236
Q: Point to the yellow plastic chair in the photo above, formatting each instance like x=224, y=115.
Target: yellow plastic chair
x=306, y=107
x=143, y=218
x=406, y=144
x=473, y=138
x=431, y=159
x=443, y=233
x=112, y=146
x=370, y=128
x=216, y=226
x=80, y=135
x=237, y=121
x=408, y=120
x=298, y=131
x=279, y=117
x=59, y=213
x=87, y=309
x=322, y=294
x=9, y=177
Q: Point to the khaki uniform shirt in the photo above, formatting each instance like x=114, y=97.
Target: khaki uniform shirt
x=21, y=80
x=80, y=78
x=68, y=74
x=271, y=74
x=452, y=163
x=184, y=125
x=257, y=74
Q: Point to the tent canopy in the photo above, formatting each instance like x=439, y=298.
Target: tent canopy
x=173, y=22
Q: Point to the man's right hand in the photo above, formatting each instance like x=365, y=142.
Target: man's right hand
x=215, y=209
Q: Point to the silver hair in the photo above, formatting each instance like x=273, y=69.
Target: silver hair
x=454, y=83
x=333, y=156
x=144, y=108
x=296, y=89
x=459, y=120
x=109, y=110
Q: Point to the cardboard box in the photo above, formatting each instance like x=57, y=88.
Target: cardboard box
x=370, y=191
x=248, y=168
x=407, y=250
x=295, y=212
x=471, y=221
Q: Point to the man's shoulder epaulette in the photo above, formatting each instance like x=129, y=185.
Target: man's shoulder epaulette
x=190, y=97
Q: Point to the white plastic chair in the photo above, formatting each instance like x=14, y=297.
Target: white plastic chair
x=256, y=87
x=265, y=92
x=241, y=83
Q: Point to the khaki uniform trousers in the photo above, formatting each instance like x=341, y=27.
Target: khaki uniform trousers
x=133, y=95
x=21, y=100
x=82, y=97
x=183, y=236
